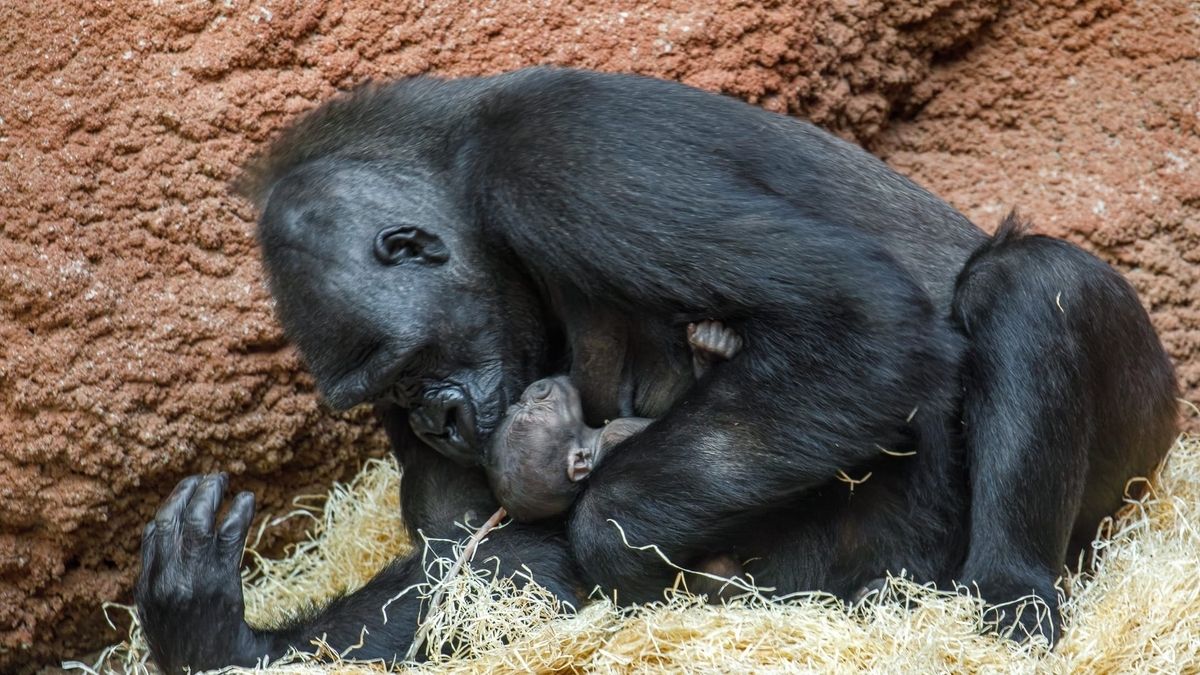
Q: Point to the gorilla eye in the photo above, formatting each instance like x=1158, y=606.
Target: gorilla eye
x=394, y=245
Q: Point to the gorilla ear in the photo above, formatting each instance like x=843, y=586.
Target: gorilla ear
x=401, y=243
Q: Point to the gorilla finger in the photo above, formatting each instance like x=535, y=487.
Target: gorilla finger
x=168, y=514
x=202, y=507
x=717, y=341
x=231, y=538
x=730, y=345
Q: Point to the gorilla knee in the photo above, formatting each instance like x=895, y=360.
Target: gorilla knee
x=614, y=553
x=595, y=541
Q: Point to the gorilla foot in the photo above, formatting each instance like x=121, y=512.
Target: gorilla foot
x=1020, y=599
x=1021, y=611
x=1032, y=611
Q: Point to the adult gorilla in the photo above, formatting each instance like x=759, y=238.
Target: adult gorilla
x=436, y=245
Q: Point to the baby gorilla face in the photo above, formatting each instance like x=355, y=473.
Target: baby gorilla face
x=527, y=461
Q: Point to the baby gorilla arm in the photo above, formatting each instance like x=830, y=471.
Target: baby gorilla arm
x=710, y=340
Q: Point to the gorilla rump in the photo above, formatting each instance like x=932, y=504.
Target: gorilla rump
x=435, y=246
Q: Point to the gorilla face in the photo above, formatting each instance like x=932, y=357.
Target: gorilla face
x=385, y=287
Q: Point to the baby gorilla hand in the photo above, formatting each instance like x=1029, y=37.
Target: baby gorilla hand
x=711, y=341
x=189, y=593
x=714, y=339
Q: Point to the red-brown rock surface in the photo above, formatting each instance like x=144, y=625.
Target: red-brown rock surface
x=136, y=337
x=1086, y=116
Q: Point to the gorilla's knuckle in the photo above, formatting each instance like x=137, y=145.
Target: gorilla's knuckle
x=197, y=521
x=165, y=521
x=229, y=538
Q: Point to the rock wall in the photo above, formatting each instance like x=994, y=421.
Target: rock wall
x=1086, y=116
x=138, y=341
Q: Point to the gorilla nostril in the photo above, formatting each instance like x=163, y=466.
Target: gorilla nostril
x=444, y=418
x=450, y=421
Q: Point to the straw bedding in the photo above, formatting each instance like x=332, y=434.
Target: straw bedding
x=1140, y=612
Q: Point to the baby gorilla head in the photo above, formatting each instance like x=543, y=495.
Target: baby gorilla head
x=531, y=452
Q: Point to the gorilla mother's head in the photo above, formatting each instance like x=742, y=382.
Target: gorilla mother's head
x=382, y=270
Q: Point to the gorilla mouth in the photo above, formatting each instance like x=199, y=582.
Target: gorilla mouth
x=453, y=414
x=444, y=418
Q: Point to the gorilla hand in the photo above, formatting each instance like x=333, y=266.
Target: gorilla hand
x=189, y=593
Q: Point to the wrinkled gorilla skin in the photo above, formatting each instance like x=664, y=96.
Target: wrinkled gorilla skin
x=434, y=246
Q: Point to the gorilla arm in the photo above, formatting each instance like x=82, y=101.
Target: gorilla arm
x=840, y=347
x=190, y=591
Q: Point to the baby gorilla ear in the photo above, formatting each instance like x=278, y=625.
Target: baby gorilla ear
x=579, y=464
x=400, y=243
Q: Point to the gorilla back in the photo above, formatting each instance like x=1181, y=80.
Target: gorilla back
x=435, y=245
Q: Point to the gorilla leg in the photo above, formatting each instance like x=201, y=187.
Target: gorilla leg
x=1067, y=395
x=189, y=593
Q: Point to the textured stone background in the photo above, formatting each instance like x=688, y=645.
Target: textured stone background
x=1087, y=117
x=136, y=337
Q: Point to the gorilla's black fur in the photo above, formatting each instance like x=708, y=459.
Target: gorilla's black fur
x=436, y=245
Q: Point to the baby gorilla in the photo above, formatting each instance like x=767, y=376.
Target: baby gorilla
x=543, y=449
